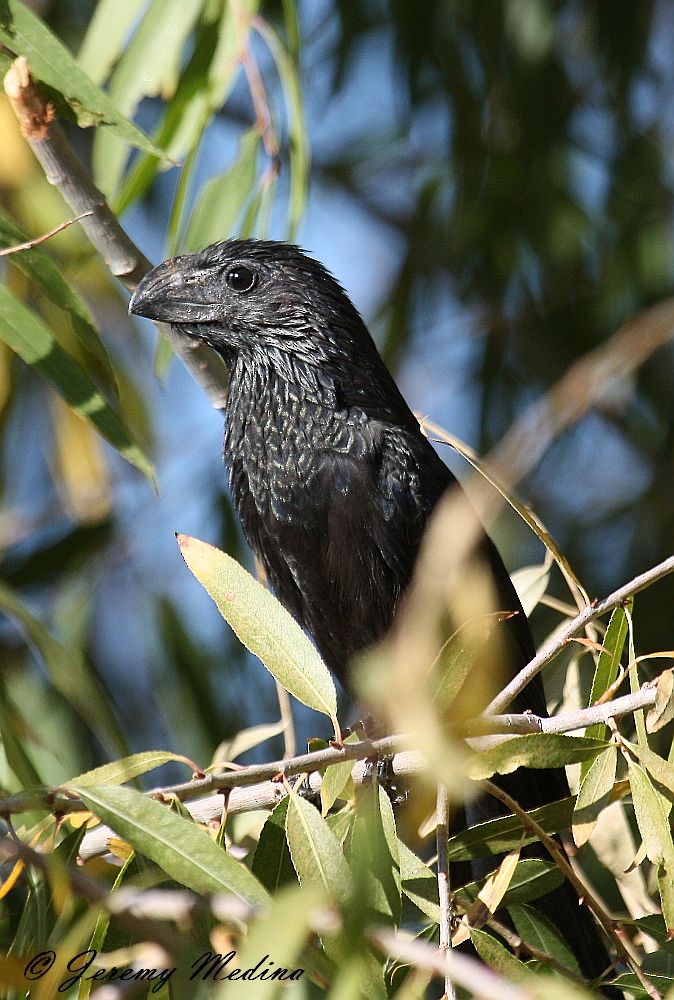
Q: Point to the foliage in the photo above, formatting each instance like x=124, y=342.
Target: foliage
x=499, y=213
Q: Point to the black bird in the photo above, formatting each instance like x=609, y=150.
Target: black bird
x=329, y=471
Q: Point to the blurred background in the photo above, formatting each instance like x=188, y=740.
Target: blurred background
x=492, y=184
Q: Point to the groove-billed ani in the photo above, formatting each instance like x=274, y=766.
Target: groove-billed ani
x=330, y=474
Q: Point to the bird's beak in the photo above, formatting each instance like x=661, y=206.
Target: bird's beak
x=176, y=292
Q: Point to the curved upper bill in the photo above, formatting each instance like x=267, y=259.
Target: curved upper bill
x=177, y=292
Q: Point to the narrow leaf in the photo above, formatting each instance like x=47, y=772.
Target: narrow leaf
x=540, y=750
x=39, y=266
x=120, y=771
x=594, y=794
x=651, y=813
x=222, y=198
x=315, y=851
x=25, y=34
x=275, y=942
x=182, y=849
x=25, y=333
x=608, y=667
x=496, y=836
x=535, y=929
x=272, y=864
x=262, y=625
x=106, y=34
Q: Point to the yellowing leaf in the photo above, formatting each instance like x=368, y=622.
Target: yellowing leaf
x=263, y=626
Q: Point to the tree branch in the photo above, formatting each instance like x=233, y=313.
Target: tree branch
x=588, y=614
x=252, y=788
x=584, y=895
x=120, y=254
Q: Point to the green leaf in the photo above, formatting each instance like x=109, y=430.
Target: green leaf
x=533, y=878
x=68, y=671
x=287, y=65
x=336, y=780
x=541, y=750
x=272, y=864
x=315, y=851
x=245, y=740
x=182, y=849
x=628, y=982
x=660, y=770
x=38, y=266
x=535, y=929
x=25, y=333
x=149, y=65
x=275, y=941
x=14, y=744
x=499, y=958
x=263, y=626
x=496, y=836
x=118, y=772
x=458, y=656
x=222, y=198
x=374, y=858
x=419, y=883
x=608, y=667
x=24, y=33
x=105, y=36
x=652, y=814
x=594, y=794
x=202, y=89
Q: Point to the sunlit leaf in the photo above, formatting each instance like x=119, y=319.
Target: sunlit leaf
x=662, y=711
x=608, y=667
x=262, y=625
x=105, y=36
x=182, y=849
x=594, y=794
x=39, y=266
x=288, y=924
x=24, y=33
x=120, y=771
x=540, y=750
x=149, y=64
x=315, y=851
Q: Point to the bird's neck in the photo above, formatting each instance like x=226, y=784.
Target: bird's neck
x=266, y=401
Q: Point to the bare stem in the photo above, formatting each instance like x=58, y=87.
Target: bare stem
x=584, y=894
x=120, y=254
x=444, y=884
x=588, y=614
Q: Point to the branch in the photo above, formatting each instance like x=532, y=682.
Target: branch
x=575, y=626
x=120, y=254
x=584, y=895
x=248, y=790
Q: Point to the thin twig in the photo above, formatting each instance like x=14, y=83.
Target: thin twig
x=588, y=614
x=29, y=244
x=122, y=257
x=585, y=896
x=444, y=884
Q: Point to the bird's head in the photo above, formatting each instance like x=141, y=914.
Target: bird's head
x=256, y=298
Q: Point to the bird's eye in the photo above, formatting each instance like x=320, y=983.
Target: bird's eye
x=241, y=278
